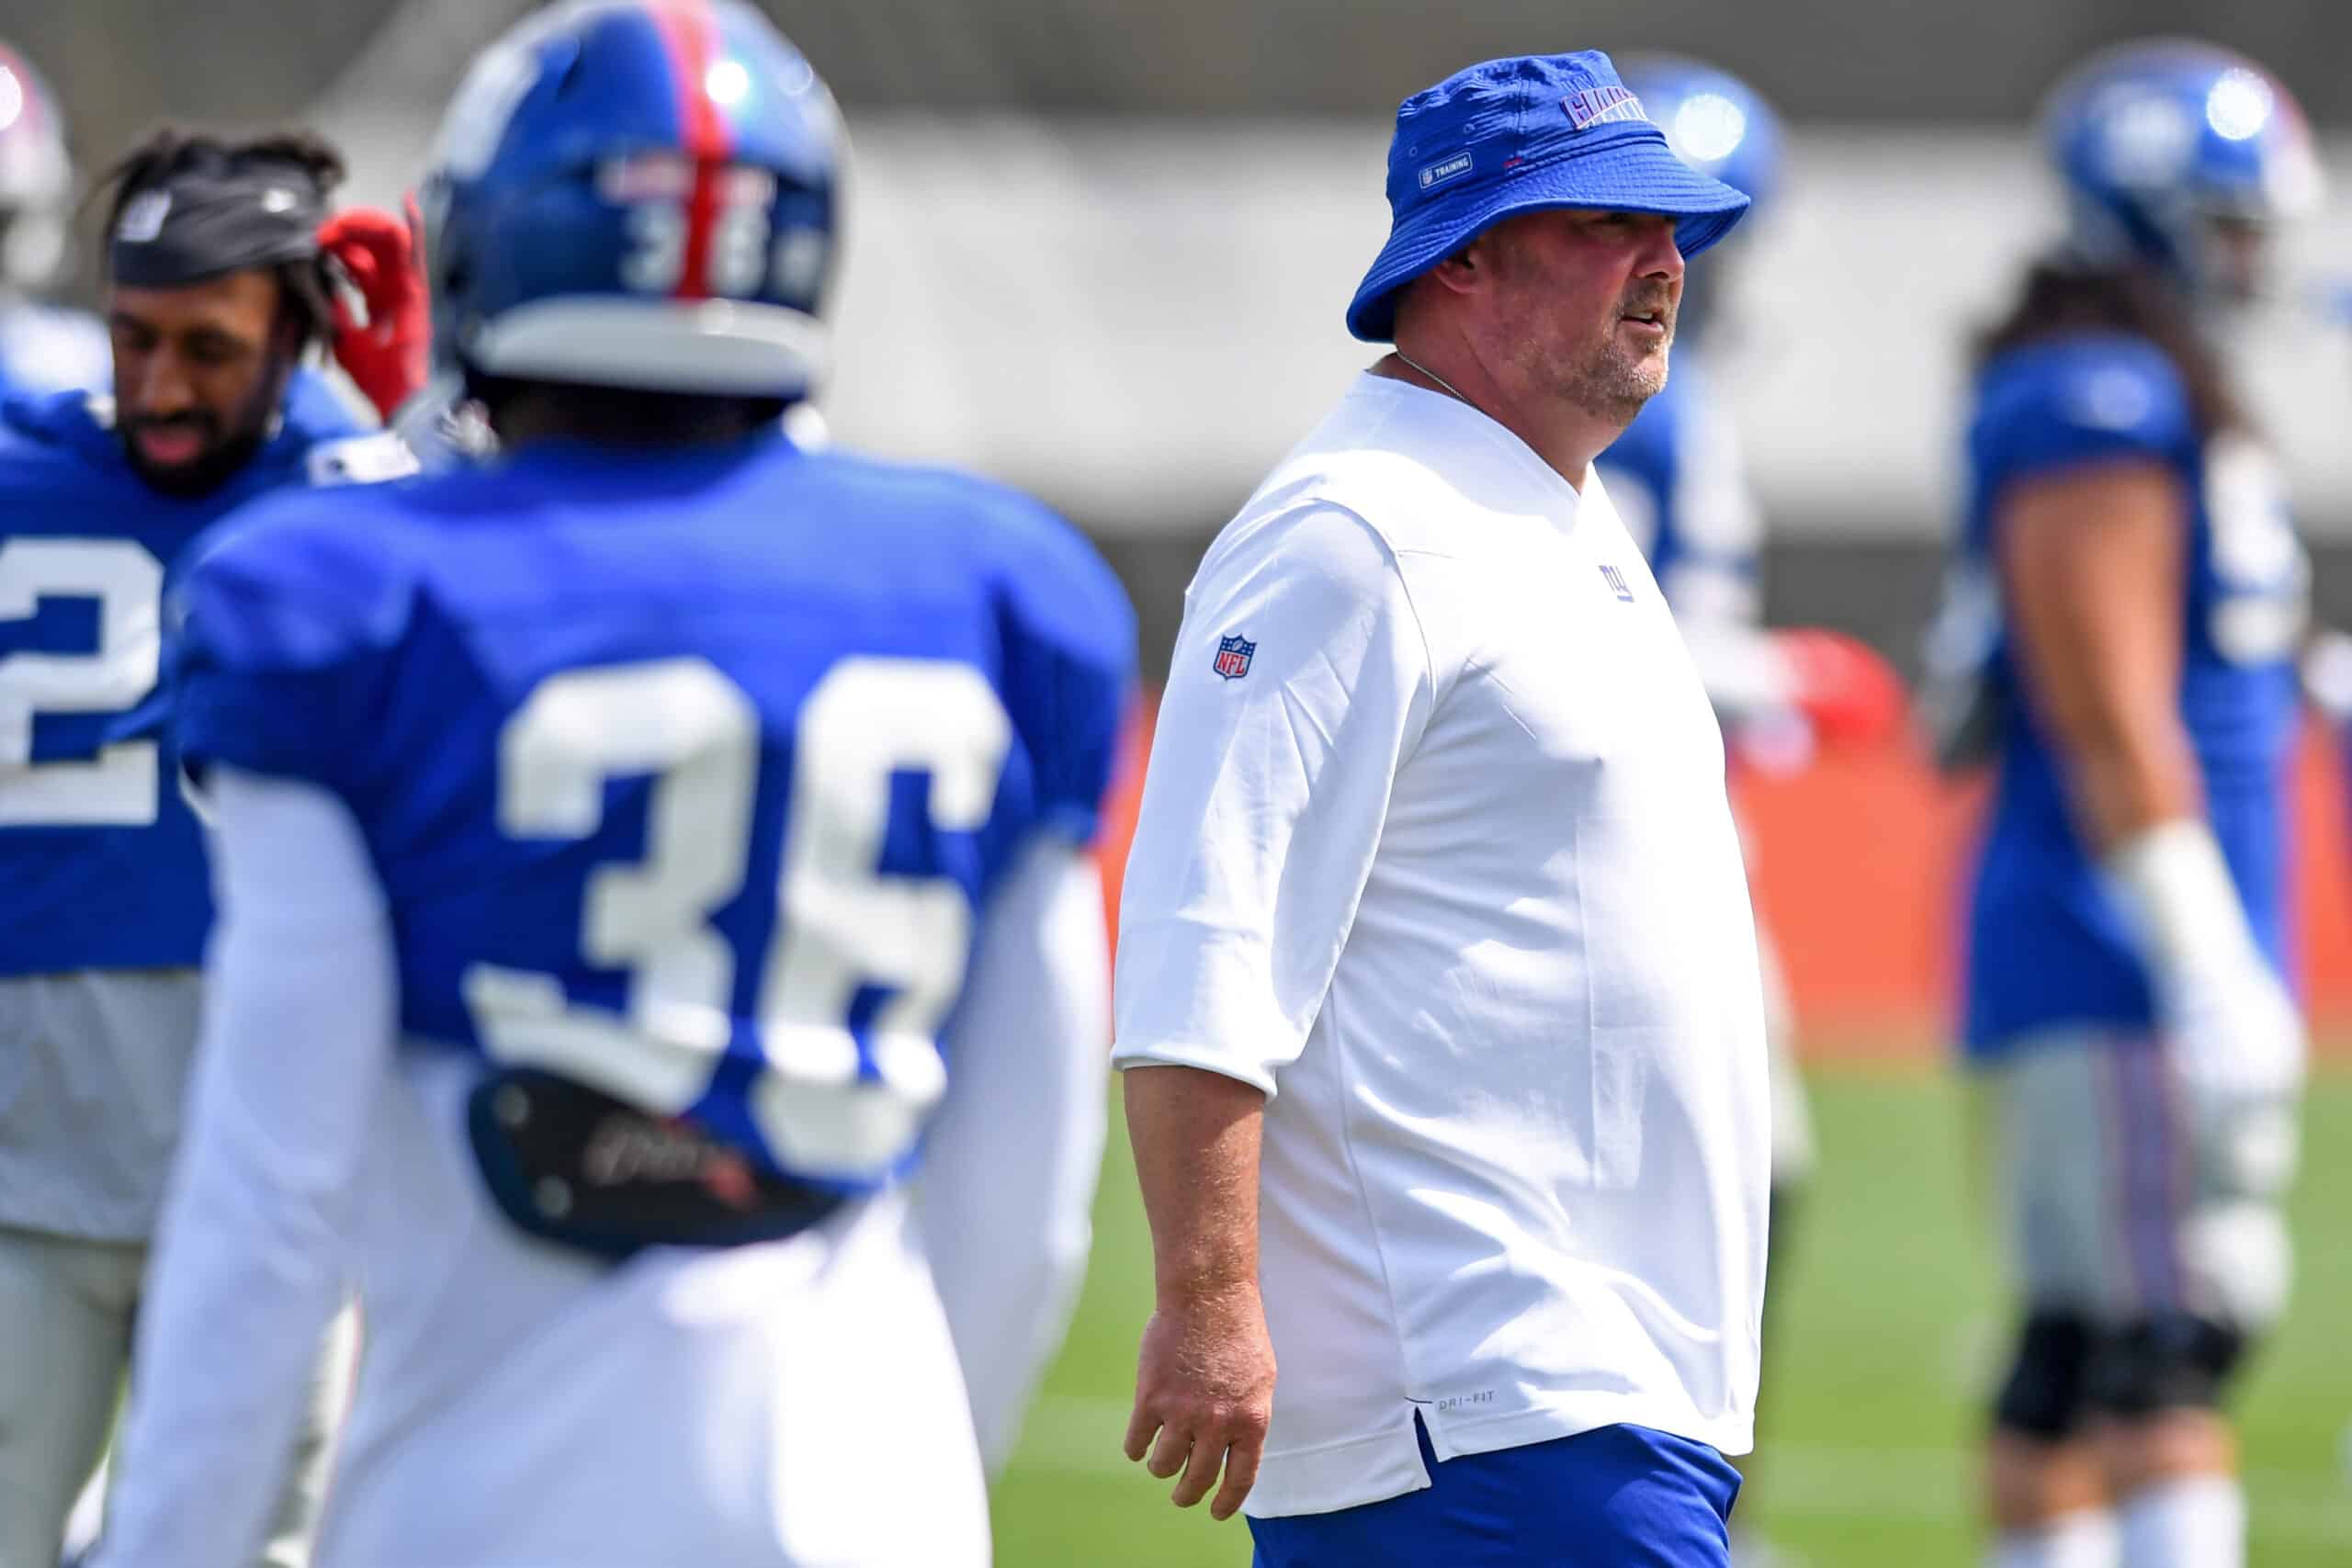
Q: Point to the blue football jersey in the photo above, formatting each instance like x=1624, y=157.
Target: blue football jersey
x=1680, y=487
x=101, y=857
x=686, y=773
x=2048, y=946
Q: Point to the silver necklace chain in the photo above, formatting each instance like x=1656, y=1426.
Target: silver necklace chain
x=1429, y=373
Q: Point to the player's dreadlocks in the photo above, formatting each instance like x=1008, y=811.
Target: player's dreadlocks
x=2062, y=297
x=172, y=157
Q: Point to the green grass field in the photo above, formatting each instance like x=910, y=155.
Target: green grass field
x=1887, y=1324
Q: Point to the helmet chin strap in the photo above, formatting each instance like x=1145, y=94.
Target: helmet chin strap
x=2098, y=237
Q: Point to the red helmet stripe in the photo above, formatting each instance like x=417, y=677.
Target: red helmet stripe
x=690, y=34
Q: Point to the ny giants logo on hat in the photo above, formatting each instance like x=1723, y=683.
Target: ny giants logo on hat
x=1233, y=655
x=1602, y=105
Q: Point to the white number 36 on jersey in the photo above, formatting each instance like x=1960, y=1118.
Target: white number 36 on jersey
x=840, y=924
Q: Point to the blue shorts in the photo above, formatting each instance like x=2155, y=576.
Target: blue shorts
x=1614, y=1498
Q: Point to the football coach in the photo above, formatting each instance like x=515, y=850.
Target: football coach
x=1437, y=993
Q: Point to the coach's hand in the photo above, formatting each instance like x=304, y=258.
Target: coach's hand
x=1205, y=1382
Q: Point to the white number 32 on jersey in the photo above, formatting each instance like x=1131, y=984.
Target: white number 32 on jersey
x=118, y=787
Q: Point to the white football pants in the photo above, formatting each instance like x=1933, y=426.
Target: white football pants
x=66, y=1309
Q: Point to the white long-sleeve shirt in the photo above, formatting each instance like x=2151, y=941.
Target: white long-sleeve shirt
x=1434, y=849
x=521, y=1405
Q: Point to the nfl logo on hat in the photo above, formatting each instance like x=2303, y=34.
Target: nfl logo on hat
x=1233, y=655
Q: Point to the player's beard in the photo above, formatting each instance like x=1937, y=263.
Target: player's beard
x=228, y=447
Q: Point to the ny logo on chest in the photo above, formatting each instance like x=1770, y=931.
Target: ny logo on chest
x=1617, y=583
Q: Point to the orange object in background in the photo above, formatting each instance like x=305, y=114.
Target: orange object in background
x=1859, y=862
x=2324, y=884
x=1124, y=800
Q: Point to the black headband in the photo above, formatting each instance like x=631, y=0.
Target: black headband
x=221, y=215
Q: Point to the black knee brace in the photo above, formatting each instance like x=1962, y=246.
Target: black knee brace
x=2048, y=1391
x=2173, y=1362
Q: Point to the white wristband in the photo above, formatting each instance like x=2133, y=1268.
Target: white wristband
x=2182, y=902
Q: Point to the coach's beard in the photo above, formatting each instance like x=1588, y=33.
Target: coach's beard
x=1624, y=371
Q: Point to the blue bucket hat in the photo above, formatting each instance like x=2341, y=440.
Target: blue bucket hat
x=1513, y=136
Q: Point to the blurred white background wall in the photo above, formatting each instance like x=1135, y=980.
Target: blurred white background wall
x=1101, y=247
x=1134, y=318
x=1138, y=319
x=1133, y=313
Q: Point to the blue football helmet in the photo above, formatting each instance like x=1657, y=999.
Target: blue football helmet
x=637, y=194
x=2159, y=142
x=1715, y=122
x=1720, y=126
x=36, y=177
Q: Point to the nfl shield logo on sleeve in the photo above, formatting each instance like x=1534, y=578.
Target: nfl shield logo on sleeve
x=1233, y=655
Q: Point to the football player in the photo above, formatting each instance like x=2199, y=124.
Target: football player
x=1680, y=484
x=215, y=296
x=625, y=848
x=42, y=349
x=2140, y=593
